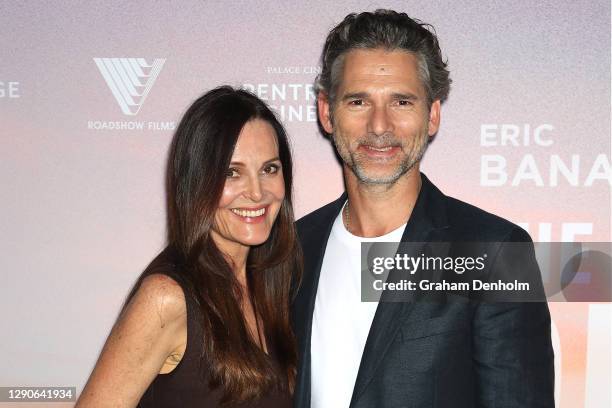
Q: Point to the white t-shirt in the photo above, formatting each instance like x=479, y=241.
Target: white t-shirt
x=341, y=322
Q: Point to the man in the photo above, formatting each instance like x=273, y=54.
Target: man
x=382, y=83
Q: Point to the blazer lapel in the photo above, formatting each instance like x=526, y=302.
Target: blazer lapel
x=314, y=241
x=428, y=215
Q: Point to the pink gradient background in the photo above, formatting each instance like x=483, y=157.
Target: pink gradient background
x=83, y=210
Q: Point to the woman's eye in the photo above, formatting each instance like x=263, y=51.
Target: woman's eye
x=231, y=173
x=271, y=169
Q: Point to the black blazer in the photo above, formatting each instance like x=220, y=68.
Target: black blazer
x=424, y=354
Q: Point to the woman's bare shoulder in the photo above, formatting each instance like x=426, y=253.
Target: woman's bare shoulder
x=161, y=294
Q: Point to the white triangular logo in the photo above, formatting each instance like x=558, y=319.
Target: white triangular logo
x=129, y=79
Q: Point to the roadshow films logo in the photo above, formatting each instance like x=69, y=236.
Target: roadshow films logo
x=130, y=81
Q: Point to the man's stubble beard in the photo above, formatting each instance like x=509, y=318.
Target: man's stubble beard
x=354, y=161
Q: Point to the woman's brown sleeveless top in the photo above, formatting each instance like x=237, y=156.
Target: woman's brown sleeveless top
x=187, y=385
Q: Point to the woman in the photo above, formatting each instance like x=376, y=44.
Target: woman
x=207, y=323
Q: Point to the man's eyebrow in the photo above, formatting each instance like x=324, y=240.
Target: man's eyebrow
x=395, y=95
x=401, y=95
x=355, y=95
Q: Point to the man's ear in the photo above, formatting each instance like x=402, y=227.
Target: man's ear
x=324, y=112
x=434, y=117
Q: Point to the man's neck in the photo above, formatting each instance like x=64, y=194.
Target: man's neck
x=377, y=209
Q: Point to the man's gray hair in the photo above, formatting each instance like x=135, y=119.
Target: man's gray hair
x=388, y=30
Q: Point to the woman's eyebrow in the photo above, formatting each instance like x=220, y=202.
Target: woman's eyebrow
x=241, y=164
x=272, y=160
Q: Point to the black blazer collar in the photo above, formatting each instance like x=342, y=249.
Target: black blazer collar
x=429, y=213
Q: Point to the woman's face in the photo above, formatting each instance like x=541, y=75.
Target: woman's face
x=253, y=192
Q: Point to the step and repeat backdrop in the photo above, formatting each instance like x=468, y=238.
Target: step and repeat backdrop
x=91, y=92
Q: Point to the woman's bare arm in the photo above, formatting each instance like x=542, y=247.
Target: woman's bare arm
x=151, y=327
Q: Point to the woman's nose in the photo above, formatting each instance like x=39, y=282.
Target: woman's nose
x=253, y=189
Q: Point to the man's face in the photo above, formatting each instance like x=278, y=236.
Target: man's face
x=380, y=121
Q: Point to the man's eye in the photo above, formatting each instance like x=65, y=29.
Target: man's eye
x=404, y=102
x=271, y=169
x=356, y=102
x=231, y=173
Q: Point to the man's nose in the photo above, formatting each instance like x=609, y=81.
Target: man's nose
x=379, y=122
x=253, y=189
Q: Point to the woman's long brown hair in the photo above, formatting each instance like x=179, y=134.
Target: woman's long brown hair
x=200, y=155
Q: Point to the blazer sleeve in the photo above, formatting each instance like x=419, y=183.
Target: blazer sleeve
x=512, y=349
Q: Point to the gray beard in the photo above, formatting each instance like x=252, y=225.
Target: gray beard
x=404, y=167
